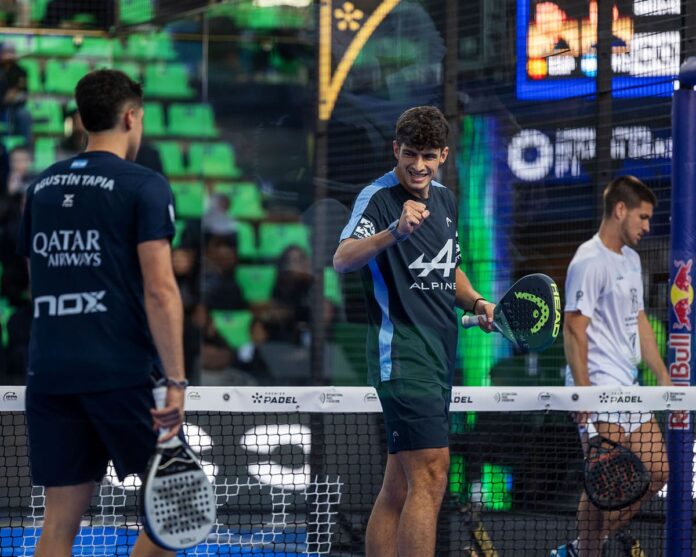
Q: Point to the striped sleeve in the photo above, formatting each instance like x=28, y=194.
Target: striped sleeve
x=364, y=220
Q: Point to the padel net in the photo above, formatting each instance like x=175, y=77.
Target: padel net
x=296, y=470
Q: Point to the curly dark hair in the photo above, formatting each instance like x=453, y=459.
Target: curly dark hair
x=422, y=127
x=628, y=189
x=102, y=94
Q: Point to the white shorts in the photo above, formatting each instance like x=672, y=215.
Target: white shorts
x=628, y=421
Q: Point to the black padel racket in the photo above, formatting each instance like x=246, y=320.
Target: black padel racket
x=614, y=477
x=178, y=500
x=528, y=315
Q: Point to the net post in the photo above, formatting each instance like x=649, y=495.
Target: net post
x=680, y=432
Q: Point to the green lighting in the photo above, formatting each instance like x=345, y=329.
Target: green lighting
x=496, y=487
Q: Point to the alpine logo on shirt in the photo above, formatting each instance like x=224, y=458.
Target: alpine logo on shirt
x=444, y=261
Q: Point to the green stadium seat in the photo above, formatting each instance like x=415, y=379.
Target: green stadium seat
x=246, y=241
x=38, y=9
x=12, y=141
x=33, y=69
x=62, y=76
x=213, y=160
x=132, y=12
x=96, y=47
x=247, y=202
x=154, y=119
x=275, y=237
x=131, y=69
x=44, y=152
x=192, y=120
x=179, y=226
x=332, y=286
x=6, y=311
x=153, y=46
x=167, y=81
x=46, y=114
x=233, y=326
x=256, y=282
x=245, y=199
x=54, y=45
x=172, y=158
x=188, y=199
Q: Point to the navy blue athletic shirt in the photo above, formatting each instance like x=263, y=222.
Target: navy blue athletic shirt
x=410, y=286
x=82, y=223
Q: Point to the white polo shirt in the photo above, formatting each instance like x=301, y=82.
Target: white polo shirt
x=607, y=287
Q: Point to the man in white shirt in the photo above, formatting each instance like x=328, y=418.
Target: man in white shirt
x=606, y=335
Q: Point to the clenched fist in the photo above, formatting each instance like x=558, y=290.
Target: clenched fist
x=413, y=215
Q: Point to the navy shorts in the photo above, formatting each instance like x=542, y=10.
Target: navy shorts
x=73, y=437
x=416, y=414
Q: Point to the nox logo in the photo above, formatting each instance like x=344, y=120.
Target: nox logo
x=444, y=261
x=70, y=304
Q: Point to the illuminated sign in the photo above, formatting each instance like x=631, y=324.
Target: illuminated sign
x=534, y=155
x=556, y=48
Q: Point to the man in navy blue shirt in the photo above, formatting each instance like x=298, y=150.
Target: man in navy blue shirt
x=107, y=312
x=402, y=236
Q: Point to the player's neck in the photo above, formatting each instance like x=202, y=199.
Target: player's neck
x=610, y=237
x=105, y=141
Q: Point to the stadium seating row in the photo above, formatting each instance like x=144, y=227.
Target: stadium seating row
x=59, y=76
x=273, y=238
x=257, y=284
x=184, y=119
x=139, y=46
x=245, y=199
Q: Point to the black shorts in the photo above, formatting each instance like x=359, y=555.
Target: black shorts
x=73, y=437
x=416, y=414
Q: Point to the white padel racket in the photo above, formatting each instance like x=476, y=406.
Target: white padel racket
x=178, y=500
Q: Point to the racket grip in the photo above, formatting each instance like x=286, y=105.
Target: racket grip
x=160, y=396
x=469, y=321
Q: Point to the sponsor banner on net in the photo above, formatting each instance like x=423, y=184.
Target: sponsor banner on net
x=11, y=398
x=608, y=398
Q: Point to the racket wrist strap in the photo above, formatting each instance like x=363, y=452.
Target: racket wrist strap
x=473, y=308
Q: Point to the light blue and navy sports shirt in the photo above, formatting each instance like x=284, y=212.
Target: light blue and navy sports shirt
x=410, y=286
x=82, y=223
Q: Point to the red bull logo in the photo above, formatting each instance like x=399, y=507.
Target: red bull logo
x=681, y=295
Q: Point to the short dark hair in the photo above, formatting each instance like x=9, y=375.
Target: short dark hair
x=422, y=127
x=101, y=96
x=628, y=189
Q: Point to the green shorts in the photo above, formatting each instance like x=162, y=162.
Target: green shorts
x=416, y=414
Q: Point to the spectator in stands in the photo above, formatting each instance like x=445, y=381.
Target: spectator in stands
x=21, y=172
x=186, y=260
x=15, y=288
x=15, y=13
x=219, y=285
x=75, y=140
x=14, y=93
x=292, y=290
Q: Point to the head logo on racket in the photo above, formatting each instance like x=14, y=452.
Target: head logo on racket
x=542, y=313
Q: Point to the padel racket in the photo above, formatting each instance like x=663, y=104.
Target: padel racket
x=614, y=477
x=178, y=501
x=528, y=315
